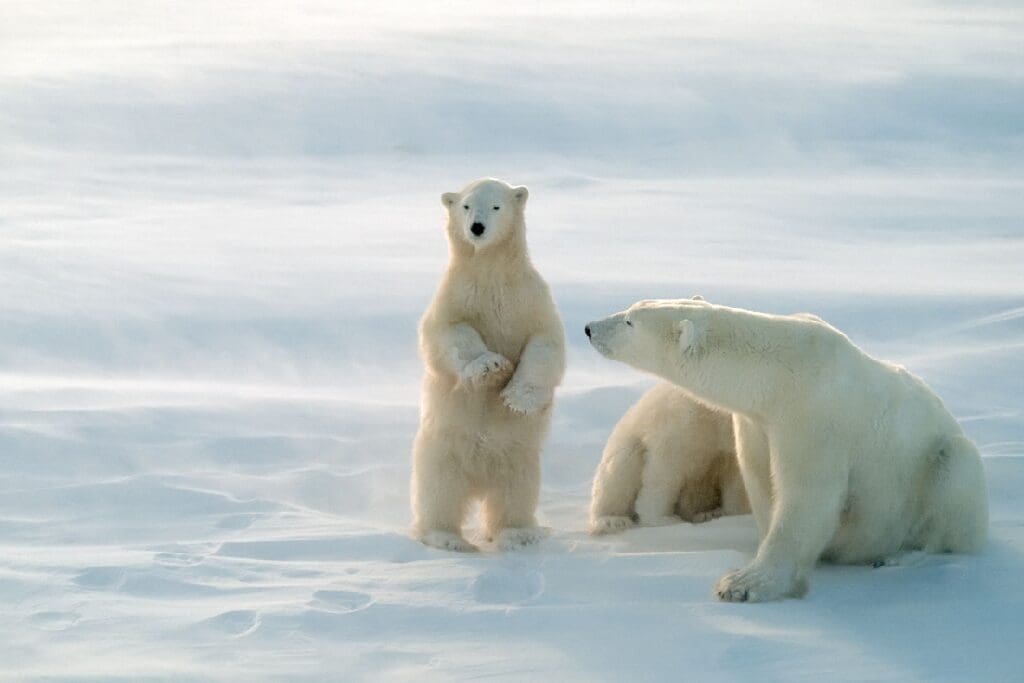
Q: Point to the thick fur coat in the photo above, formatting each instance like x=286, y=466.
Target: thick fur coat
x=844, y=457
x=493, y=347
x=669, y=459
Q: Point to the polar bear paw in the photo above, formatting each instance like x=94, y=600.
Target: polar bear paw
x=707, y=516
x=487, y=368
x=526, y=399
x=610, y=524
x=515, y=539
x=446, y=540
x=760, y=584
x=659, y=520
x=911, y=558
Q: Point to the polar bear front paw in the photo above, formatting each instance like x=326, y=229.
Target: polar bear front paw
x=514, y=539
x=610, y=524
x=446, y=540
x=526, y=399
x=487, y=368
x=707, y=516
x=659, y=520
x=760, y=584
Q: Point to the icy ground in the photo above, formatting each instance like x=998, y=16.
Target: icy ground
x=218, y=228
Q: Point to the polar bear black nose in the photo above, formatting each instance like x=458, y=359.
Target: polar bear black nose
x=587, y=330
x=477, y=229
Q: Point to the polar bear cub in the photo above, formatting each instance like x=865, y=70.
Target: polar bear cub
x=669, y=459
x=494, y=350
x=844, y=457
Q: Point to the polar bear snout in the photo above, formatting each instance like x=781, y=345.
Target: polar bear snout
x=600, y=333
x=477, y=228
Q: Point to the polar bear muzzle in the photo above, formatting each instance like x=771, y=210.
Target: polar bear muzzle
x=602, y=333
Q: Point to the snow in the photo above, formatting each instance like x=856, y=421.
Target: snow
x=219, y=223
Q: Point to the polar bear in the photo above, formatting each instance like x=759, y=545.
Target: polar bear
x=844, y=457
x=494, y=350
x=669, y=459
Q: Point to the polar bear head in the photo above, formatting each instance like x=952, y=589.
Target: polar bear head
x=653, y=335
x=485, y=213
x=738, y=360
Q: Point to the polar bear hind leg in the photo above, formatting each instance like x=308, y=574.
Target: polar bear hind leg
x=440, y=496
x=510, y=501
x=958, y=507
x=668, y=463
x=616, y=485
x=700, y=499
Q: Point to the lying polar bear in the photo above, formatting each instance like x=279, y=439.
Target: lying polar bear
x=668, y=459
x=844, y=457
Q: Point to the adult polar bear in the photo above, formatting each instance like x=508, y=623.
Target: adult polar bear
x=494, y=350
x=844, y=457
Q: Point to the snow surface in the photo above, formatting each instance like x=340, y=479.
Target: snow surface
x=220, y=222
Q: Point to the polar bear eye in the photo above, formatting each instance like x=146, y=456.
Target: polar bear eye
x=466, y=207
x=496, y=208
x=629, y=323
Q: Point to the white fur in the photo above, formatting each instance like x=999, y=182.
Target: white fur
x=668, y=459
x=494, y=351
x=844, y=457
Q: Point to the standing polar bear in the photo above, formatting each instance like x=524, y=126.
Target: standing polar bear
x=669, y=459
x=844, y=457
x=494, y=350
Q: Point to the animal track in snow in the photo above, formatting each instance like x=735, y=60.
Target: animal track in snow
x=236, y=623
x=54, y=621
x=340, y=601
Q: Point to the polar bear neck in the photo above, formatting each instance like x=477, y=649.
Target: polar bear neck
x=746, y=361
x=733, y=382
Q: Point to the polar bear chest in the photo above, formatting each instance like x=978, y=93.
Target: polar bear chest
x=504, y=313
x=504, y=329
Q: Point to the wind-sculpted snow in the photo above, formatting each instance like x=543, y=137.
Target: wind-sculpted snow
x=220, y=222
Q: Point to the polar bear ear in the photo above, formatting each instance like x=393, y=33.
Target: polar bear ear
x=449, y=198
x=689, y=336
x=520, y=193
x=696, y=297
